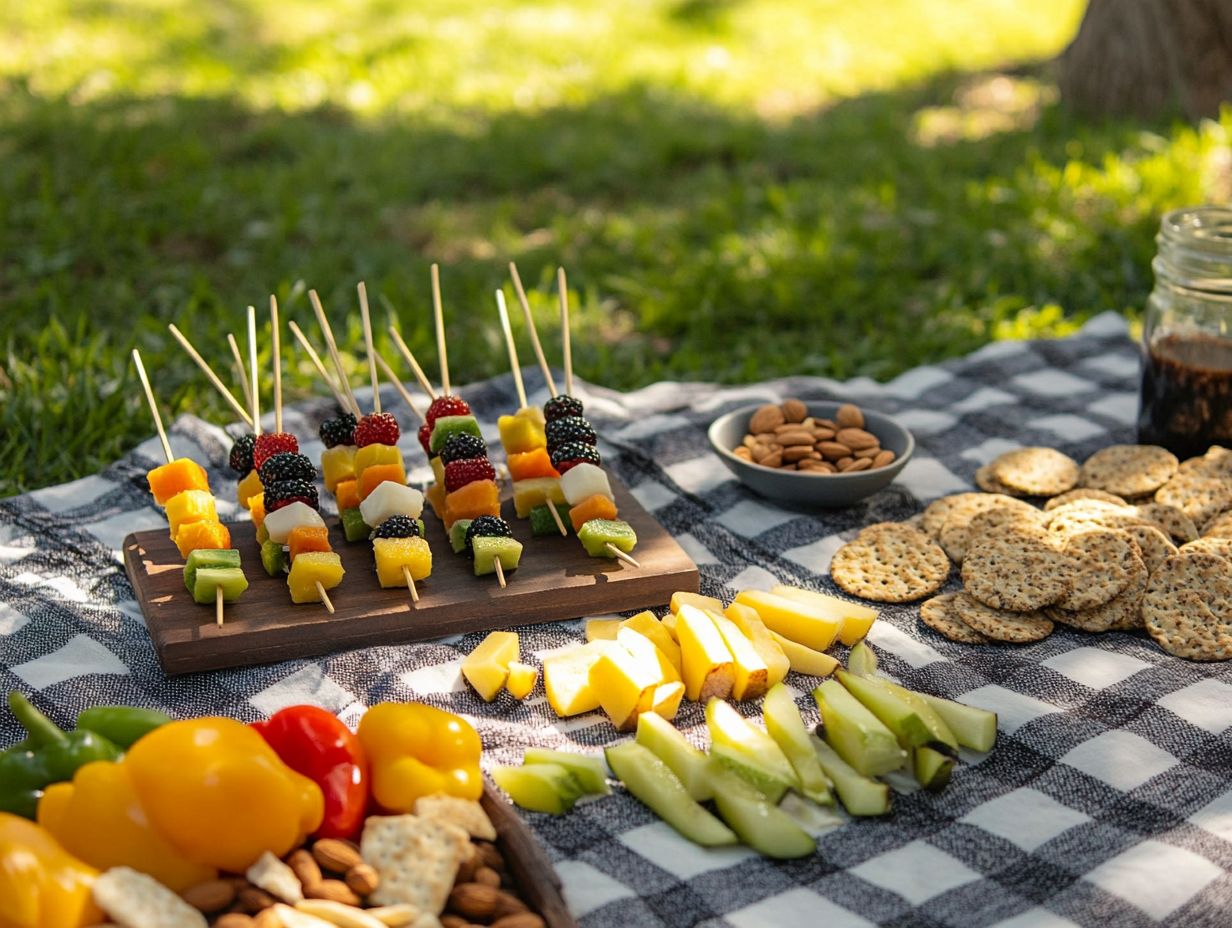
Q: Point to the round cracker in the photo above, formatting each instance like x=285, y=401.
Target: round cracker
x=1171, y=520
x=1123, y=611
x=1035, y=471
x=958, y=534
x=1218, y=527
x=1016, y=568
x=1220, y=547
x=939, y=615
x=1000, y=625
x=1073, y=496
x=985, y=480
x=935, y=513
x=1200, y=498
x=1129, y=470
x=1101, y=564
x=893, y=564
x=1154, y=545
x=1217, y=462
x=1188, y=607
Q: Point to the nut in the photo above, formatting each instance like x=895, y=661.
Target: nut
x=884, y=458
x=826, y=424
x=857, y=438
x=336, y=856
x=849, y=417
x=508, y=904
x=743, y=453
x=210, y=896
x=253, y=900
x=868, y=452
x=454, y=921
x=798, y=453
x=268, y=918
x=823, y=434
x=766, y=418
x=234, y=920
x=855, y=464
x=488, y=877
x=748, y=441
x=841, y=462
x=773, y=459
x=798, y=437
x=474, y=900
x=363, y=880
x=333, y=890
x=833, y=450
x=519, y=920
x=304, y=866
x=794, y=410
x=490, y=856
x=816, y=467
x=767, y=437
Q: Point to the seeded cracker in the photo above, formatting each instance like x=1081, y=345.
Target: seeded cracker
x=416, y=859
x=465, y=813
x=1188, y=607
x=1123, y=611
x=1217, y=462
x=1102, y=562
x=999, y=625
x=957, y=535
x=1200, y=498
x=1220, y=547
x=1072, y=496
x=985, y=480
x=1218, y=527
x=135, y=900
x=938, y=511
x=1156, y=547
x=1018, y=569
x=1129, y=470
x=938, y=614
x=1170, y=520
x=890, y=564
x=1035, y=471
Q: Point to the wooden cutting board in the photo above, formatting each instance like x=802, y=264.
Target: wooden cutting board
x=556, y=580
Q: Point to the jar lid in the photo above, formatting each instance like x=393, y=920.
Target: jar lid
x=1195, y=248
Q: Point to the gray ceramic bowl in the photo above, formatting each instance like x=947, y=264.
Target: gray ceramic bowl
x=811, y=489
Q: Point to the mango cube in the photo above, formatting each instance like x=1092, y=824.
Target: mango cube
x=522, y=679
x=247, y=488
x=652, y=628
x=593, y=507
x=530, y=464
x=705, y=603
x=370, y=455
x=624, y=684
x=308, y=538
x=666, y=700
x=392, y=554
x=519, y=434
x=857, y=618
x=377, y=474
x=478, y=498
x=807, y=623
x=175, y=477
x=749, y=622
x=311, y=568
x=487, y=667
x=190, y=506
x=256, y=506
x=435, y=497
x=530, y=494
x=708, y=669
x=338, y=464
x=804, y=659
x=752, y=674
x=566, y=678
x=602, y=629
x=195, y=536
x=346, y=495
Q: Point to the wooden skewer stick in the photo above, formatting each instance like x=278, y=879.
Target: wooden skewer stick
x=410, y=583
x=367, y=318
x=439, y=313
x=218, y=605
x=424, y=382
x=500, y=572
x=616, y=552
x=556, y=517
x=149, y=395
x=534, y=333
x=565, y=345
x=318, y=364
x=329, y=606
x=253, y=371
x=276, y=334
x=328, y=332
x=209, y=373
x=239, y=369
x=402, y=391
x=513, y=349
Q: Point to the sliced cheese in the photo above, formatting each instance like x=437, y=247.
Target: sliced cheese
x=624, y=684
x=522, y=679
x=857, y=617
x=487, y=667
x=666, y=700
x=602, y=629
x=652, y=628
x=566, y=678
x=752, y=674
x=804, y=659
x=748, y=621
x=695, y=599
x=707, y=662
x=808, y=624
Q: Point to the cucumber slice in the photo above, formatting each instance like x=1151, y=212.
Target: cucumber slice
x=765, y=781
x=546, y=788
x=891, y=709
x=928, y=715
x=811, y=817
x=786, y=727
x=760, y=824
x=862, y=661
x=973, y=728
x=855, y=733
x=728, y=727
x=590, y=772
x=670, y=746
x=932, y=765
x=652, y=782
x=860, y=795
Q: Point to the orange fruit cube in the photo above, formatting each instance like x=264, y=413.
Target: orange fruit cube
x=256, y=505
x=435, y=495
x=374, y=476
x=531, y=464
x=347, y=494
x=478, y=498
x=247, y=488
x=204, y=534
x=308, y=538
x=597, y=506
x=174, y=478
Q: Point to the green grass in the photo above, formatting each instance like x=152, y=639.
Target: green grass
x=738, y=189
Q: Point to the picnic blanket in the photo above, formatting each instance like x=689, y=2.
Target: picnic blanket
x=1106, y=802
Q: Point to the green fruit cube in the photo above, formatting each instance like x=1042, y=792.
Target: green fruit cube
x=855, y=733
x=860, y=795
x=546, y=788
x=230, y=580
x=488, y=550
x=274, y=558
x=353, y=525
x=597, y=534
x=590, y=772
x=457, y=535
x=207, y=557
x=688, y=763
x=446, y=426
x=542, y=523
x=759, y=823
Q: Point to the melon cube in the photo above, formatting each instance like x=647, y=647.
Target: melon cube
x=311, y=568
x=338, y=464
x=527, y=494
x=814, y=625
x=209, y=580
x=378, y=474
x=274, y=558
x=280, y=522
x=519, y=434
x=391, y=499
x=592, y=507
x=583, y=480
x=487, y=667
x=479, y=498
x=372, y=455
x=392, y=554
x=457, y=535
x=446, y=426
x=193, y=536
x=521, y=680
x=438, y=470
x=190, y=506
x=488, y=550
x=566, y=678
x=597, y=534
x=175, y=477
x=307, y=538
x=202, y=558
x=247, y=488
x=435, y=497
x=353, y=525
x=857, y=618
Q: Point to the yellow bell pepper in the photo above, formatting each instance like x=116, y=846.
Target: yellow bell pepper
x=416, y=750
x=99, y=818
x=217, y=791
x=41, y=884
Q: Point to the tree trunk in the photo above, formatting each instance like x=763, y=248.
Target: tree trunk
x=1146, y=57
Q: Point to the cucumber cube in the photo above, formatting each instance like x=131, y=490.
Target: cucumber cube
x=860, y=795
x=652, y=781
x=855, y=733
x=353, y=525
x=546, y=788
x=597, y=534
x=542, y=523
x=274, y=558
x=457, y=535
x=759, y=823
x=446, y=426
x=230, y=580
x=206, y=557
x=667, y=743
x=590, y=772
x=488, y=550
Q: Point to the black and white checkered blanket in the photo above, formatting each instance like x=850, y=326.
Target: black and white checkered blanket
x=1107, y=801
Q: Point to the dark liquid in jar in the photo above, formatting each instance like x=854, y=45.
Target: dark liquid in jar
x=1186, y=401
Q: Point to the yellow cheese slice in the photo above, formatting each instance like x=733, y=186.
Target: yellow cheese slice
x=602, y=629
x=566, y=678
x=652, y=628
x=522, y=679
x=857, y=617
x=752, y=673
x=624, y=684
x=804, y=659
x=644, y=650
x=803, y=622
x=695, y=599
x=708, y=669
x=487, y=667
x=666, y=700
x=748, y=621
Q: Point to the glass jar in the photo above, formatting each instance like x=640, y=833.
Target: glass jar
x=1186, y=399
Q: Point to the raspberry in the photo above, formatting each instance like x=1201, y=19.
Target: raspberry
x=463, y=445
x=570, y=428
x=468, y=470
x=558, y=407
x=269, y=444
x=378, y=428
x=425, y=436
x=286, y=466
x=241, y=454
x=338, y=431
x=285, y=492
x=486, y=527
x=574, y=452
x=397, y=527
x=447, y=405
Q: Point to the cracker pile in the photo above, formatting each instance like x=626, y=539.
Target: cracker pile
x=1129, y=540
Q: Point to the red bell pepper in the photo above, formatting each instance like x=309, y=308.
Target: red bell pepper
x=313, y=742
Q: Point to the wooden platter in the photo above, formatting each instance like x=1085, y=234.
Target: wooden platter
x=556, y=580
x=529, y=865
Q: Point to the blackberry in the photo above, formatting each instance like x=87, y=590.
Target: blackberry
x=241, y=454
x=486, y=527
x=338, y=431
x=397, y=527
x=286, y=466
x=463, y=445
x=562, y=406
x=574, y=452
x=284, y=492
x=570, y=428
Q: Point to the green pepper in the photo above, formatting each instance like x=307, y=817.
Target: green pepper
x=49, y=755
x=121, y=725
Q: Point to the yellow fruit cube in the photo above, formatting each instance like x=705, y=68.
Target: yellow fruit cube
x=338, y=464
x=519, y=434
x=804, y=659
x=652, y=628
x=527, y=494
x=708, y=669
x=566, y=678
x=695, y=599
x=624, y=685
x=392, y=554
x=752, y=674
x=190, y=506
x=602, y=629
x=669, y=625
x=748, y=621
x=311, y=568
x=487, y=667
x=857, y=618
x=645, y=650
x=247, y=488
x=522, y=679
x=370, y=455
x=666, y=700
x=438, y=470
x=808, y=624
x=534, y=414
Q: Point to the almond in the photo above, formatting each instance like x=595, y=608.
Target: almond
x=766, y=437
x=519, y=920
x=833, y=450
x=304, y=866
x=816, y=467
x=773, y=459
x=825, y=424
x=268, y=918
x=363, y=880
x=760, y=452
x=748, y=441
x=488, y=877
x=822, y=434
x=856, y=464
x=210, y=896
x=743, y=453
x=794, y=410
x=787, y=427
x=884, y=458
x=842, y=463
x=797, y=453
x=454, y=921
x=253, y=900
x=336, y=856
x=766, y=418
x=234, y=920
x=508, y=904
x=474, y=900
x=798, y=437
x=490, y=855
x=333, y=890
x=856, y=439
x=849, y=417
x=868, y=452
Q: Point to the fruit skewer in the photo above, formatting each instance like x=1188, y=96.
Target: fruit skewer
x=212, y=570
